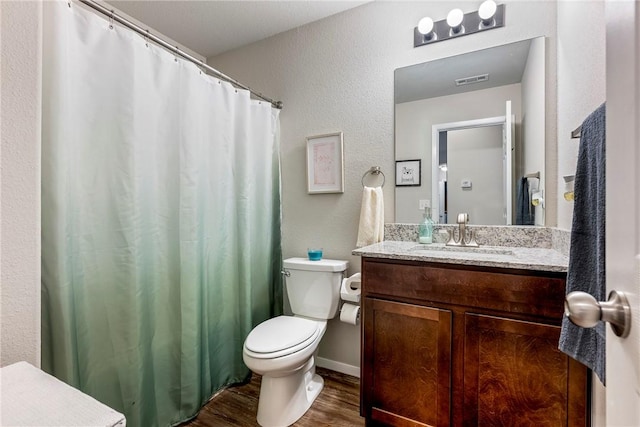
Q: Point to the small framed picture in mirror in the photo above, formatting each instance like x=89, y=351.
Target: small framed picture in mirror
x=408, y=173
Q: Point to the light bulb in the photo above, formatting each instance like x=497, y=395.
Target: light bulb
x=425, y=25
x=454, y=18
x=487, y=11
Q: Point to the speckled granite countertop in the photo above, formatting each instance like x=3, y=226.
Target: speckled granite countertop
x=540, y=259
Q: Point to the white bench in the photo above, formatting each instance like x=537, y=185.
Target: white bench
x=31, y=397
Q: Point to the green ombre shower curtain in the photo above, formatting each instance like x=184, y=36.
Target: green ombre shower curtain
x=160, y=220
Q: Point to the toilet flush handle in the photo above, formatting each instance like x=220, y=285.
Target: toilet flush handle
x=286, y=273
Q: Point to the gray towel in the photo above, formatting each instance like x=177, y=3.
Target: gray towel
x=587, y=254
x=525, y=214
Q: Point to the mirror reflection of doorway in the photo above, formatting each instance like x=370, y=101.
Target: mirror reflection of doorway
x=471, y=174
x=472, y=170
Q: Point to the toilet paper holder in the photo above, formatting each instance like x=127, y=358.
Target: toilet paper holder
x=350, y=313
x=350, y=289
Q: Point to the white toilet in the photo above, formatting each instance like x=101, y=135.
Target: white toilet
x=282, y=349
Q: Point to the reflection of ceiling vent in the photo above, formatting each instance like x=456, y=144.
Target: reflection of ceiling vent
x=473, y=79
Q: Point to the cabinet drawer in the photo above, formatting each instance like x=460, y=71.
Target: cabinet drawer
x=514, y=291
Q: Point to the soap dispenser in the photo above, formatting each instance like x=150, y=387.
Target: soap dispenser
x=425, y=232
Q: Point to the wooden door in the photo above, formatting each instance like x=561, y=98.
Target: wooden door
x=514, y=375
x=623, y=206
x=406, y=377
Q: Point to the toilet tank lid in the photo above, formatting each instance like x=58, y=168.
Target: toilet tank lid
x=322, y=265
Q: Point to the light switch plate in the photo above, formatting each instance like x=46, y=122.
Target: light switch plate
x=465, y=183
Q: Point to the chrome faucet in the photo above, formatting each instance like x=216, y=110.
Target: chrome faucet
x=465, y=237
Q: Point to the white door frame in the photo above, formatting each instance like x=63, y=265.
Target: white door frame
x=508, y=144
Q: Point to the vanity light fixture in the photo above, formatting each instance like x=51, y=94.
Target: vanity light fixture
x=425, y=27
x=486, y=13
x=489, y=16
x=454, y=21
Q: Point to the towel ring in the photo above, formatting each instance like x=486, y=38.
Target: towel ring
x=375, y=170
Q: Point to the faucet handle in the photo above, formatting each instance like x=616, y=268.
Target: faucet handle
x=463, y=218
x=452, y=239
x=472, y=240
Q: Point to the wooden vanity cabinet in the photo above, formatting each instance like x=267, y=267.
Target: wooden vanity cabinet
x=453, y=345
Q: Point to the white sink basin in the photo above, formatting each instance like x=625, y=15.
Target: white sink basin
x=464, y=249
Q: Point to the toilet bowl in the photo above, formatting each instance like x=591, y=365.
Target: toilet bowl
x=283, y=349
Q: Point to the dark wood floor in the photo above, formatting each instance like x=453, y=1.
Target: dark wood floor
x=337, y=405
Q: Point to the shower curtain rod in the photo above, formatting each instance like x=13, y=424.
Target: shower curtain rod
x=174, y=49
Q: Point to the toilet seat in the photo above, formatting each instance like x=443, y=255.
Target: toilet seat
x=281, y=336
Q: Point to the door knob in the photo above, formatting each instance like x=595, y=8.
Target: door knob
x=583, y=310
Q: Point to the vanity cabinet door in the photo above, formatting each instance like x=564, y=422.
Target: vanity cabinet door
x=514, y=374
x=406, y=364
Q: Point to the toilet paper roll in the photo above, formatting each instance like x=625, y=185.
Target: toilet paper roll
x=350, y=313
x=350, y=289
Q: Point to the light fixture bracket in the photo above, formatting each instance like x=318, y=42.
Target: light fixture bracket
x=472, y=24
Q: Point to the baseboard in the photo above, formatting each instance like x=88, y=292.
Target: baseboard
x=343, y=368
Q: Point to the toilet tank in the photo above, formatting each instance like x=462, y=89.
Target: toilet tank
x=313, y=287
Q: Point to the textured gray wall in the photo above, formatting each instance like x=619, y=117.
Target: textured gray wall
x=21, y=102
x=337, y=75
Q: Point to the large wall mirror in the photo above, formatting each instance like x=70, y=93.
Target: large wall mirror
x=477, y=122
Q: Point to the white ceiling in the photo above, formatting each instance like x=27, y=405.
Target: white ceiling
x=504, y=64
x=213, y=27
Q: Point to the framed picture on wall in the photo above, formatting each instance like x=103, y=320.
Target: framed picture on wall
x=325, y=164
x=408, y=173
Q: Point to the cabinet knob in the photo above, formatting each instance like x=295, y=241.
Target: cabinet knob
x=583, y=310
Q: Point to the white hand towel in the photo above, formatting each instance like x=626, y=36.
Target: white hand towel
x=371, y=228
